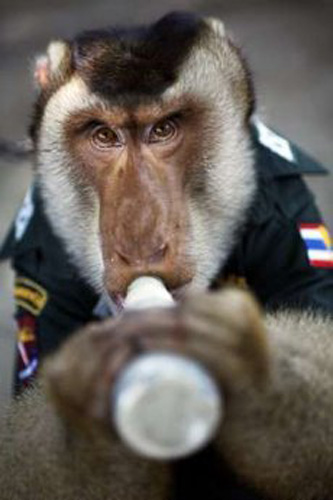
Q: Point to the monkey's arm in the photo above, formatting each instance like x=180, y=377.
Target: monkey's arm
x=277, y=433
x=278, y=427
x=276, y=377
x=284, y=434
x=44, y=455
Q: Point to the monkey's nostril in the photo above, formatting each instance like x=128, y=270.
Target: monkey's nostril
x=158, y=255
x=126, y=259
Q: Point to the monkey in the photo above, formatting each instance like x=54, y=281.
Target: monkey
x=277, y=385
x=150, y=160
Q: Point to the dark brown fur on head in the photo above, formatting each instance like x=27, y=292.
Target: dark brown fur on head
x=125, y=64
x=141, y=60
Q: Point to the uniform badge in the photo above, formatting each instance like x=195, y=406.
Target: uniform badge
x=30, y=299
x=318, y=244
x=29, y=295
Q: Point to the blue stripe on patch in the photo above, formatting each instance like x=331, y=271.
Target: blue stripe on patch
x=29, y=370
x=315, y=244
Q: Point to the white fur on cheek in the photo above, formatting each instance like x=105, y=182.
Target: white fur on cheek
x=217, y=215
x=73, y=211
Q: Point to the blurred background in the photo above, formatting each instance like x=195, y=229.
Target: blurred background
x=289, y=44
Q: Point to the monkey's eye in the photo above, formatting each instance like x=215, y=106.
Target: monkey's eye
x=104, y=138
x=163, y=131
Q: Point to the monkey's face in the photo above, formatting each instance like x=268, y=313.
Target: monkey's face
x=142, y=148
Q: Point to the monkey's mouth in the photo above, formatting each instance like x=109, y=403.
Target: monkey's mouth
x=118, y=299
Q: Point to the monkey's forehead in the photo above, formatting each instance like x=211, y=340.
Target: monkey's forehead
x=179, y=58
x=144, y=60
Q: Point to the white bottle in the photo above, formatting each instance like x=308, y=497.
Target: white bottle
x=166, y=406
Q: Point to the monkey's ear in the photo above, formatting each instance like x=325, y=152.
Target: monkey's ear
x=234, y=65
x=217, y=26
x=54, y=66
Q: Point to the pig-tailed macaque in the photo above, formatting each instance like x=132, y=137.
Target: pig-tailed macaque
x=150, y=161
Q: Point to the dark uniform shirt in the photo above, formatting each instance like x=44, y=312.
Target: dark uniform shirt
x=283, y=255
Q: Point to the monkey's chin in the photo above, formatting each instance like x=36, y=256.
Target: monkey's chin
x=179, y=293
x=118, y=299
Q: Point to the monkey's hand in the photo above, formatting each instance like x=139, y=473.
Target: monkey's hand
x=224, y=331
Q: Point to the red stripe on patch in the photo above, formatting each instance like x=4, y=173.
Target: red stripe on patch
x=309, y=225
x=322, y=263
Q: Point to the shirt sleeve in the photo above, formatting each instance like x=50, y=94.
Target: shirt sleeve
x=277, y=254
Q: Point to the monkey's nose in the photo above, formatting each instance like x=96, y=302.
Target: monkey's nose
x=137, y=260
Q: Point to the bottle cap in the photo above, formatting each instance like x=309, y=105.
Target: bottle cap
x=147, y=291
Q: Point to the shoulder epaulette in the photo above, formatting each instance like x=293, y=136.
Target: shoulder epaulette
x=278, y=157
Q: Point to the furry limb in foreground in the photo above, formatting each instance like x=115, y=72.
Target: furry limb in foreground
x=276, y=376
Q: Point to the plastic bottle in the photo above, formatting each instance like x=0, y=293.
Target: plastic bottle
x=166, y=406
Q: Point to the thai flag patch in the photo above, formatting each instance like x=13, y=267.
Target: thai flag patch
x=318, y=244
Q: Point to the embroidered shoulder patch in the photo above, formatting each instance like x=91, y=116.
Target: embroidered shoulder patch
x=29, y=295
x=318, y=244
